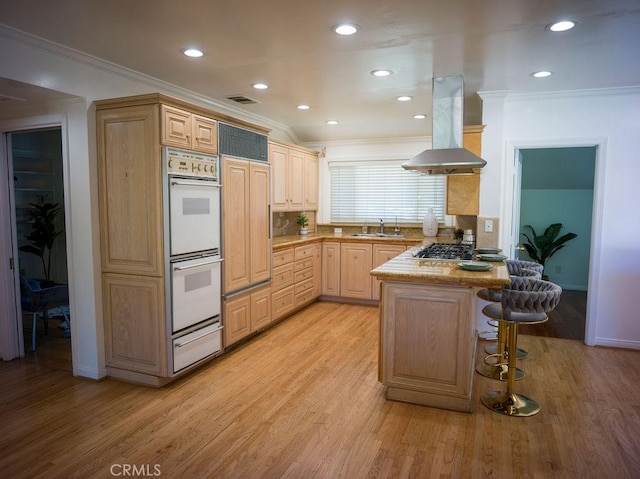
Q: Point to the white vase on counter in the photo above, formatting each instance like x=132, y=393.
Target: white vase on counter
x=430, y=223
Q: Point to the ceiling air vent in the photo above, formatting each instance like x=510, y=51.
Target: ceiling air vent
x=241, y=99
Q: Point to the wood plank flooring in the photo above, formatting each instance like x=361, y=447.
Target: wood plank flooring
x=302, y=400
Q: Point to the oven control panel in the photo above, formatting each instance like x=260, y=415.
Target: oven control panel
x=190, y=163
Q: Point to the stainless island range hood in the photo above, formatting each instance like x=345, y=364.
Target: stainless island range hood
x=447, y=157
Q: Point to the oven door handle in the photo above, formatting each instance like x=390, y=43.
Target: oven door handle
x=204, y=263
x=199, y=184
x=179, y=345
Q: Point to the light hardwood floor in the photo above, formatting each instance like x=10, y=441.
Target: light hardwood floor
x=302, y=400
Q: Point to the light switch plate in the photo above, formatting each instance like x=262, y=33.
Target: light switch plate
x=488, y=226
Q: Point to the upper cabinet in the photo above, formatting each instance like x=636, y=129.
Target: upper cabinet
x=294, y=178
x=187, y=130
x=463, y=191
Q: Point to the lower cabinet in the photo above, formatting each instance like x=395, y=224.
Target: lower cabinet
x=138, y=345
x=296, y=278
x=381, y=254
x=246, y=313
x=330, y=268
x=355, y=266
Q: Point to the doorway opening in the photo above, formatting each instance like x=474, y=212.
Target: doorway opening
x=556, y=185
x=35, y=167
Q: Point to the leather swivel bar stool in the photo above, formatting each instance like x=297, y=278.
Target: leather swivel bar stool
x=525, y=301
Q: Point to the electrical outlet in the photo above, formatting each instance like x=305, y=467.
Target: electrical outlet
x=488, y=226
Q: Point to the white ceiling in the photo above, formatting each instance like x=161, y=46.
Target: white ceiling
x=288, y=44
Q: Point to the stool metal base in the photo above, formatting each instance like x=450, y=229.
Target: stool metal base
x=513, y=404
x=497, y=371
x=493, y=349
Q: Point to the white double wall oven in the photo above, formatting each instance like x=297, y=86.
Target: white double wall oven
x=194, y=260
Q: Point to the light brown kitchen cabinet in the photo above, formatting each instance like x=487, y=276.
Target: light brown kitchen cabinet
x=294, y=178
x=355, y=266
x=187, y=130
x=237, y=319
x=134, y=323
x=246, y=313
x=130, y=134
x=311, y=183
x=330, y=268
x=247, y=241
x=381, y=254
x=463, y=191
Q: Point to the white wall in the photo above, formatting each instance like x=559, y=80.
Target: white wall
x=610, y=120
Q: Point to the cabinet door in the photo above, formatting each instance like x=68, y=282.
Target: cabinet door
x=260, y=309
x=295, y=185
x=463, y=191
x=130, y=190
x=317, y=269
x=237, y=319
x=381, y=254
x=205, y=134
x=310, y=182
x=278, y=157
x=330, y=268
x=176, y=127
x=355, y=266
x=134, y=323
x=260, y=221
x=236, y=224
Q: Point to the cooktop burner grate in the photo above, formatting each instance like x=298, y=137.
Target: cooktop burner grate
x=445, y=251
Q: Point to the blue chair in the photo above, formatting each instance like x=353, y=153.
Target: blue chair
x=35, y=299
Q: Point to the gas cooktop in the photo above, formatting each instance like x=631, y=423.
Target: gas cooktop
x=445, y=252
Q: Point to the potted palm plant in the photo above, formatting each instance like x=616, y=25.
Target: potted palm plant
x=303, y=221
x=43, y=231
x=542, y=247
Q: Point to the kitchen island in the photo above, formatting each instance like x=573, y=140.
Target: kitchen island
x=427, y=333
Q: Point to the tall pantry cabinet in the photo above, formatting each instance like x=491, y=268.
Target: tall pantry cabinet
x=130, y=134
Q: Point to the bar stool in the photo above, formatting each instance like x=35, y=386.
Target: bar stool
x=522, y=268
x=499, y=351
x=524, y=301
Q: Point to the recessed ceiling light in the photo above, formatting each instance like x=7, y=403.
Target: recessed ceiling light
x=303, y=107
x=561, y=26
x=404, y=98
x=260, y=86
x=192, y=52
x=541, y=74
x=332, y=122
x=345, y=28
x=381, y=73
x=420, y=116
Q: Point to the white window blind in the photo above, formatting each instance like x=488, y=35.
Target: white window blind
x=364, y=192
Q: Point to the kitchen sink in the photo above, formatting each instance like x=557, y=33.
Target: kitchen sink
x=377, y=235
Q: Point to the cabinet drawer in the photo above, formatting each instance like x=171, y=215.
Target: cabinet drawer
x=303, y=275
x=303, y=252
x=304, y=263
x=282, y=302
x=283, y=257
x=303, y=298
x=282, y=276
x=304, y=286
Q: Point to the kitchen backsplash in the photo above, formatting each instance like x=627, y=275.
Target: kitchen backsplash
x=284, y=224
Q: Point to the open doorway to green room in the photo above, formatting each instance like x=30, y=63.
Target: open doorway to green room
x=556, y=186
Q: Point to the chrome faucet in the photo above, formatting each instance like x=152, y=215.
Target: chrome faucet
x=396, y=229
x=381, y=226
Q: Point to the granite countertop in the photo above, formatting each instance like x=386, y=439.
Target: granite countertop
x=283, y=242
x=406, y=269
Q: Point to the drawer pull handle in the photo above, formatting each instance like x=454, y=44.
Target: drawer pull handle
x=179, y=345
